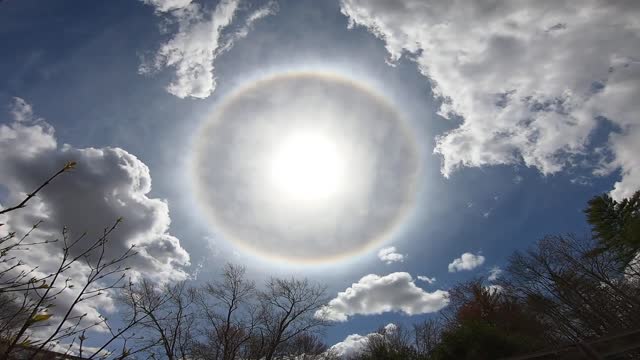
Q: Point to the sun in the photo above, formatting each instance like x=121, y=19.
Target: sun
x=307, y=166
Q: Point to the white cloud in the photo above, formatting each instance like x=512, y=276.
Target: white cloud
x=199, y=40
x=528, y=77
x=375, y=294
x=494, y=273
x=627, y=147
x=269, y=9
x=494, y=289
x=390, y=255
x=108, y=183
x=351, y=346
x=20, y=110
x=390, y=328
x=167, y=5
x=581, y=180
x=428, y=280
x=466, y=261
x=355, y=344
x=193, y=49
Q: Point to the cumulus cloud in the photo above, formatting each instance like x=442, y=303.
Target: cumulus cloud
x=199, y=40
x=355, y=344
x=626, y=148
x=428, y=280
x=351, y=346
x=375, y=294
x=494, y=273
x=528, y=78
x=466, y=261
x=390, y=255
x=108, y=183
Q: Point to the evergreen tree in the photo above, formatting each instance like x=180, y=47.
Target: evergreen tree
x=616, y=225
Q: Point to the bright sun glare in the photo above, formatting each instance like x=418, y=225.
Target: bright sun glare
x=307, y=167
x=323, y=169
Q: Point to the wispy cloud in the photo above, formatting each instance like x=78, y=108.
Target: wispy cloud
x=163, y=6
x=428, y=280
x=199, y=40
x=494, y=273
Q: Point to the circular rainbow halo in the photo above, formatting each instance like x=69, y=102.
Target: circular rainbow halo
x=305, y=167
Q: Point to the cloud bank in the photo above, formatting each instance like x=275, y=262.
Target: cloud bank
x=375, y=294
x=200, y=38
x=532, y=80
x=466, y=261
x=108, y=183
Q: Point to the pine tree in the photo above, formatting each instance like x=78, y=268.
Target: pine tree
x=616, y=224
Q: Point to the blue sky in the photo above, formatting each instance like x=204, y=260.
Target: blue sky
x=76, y=63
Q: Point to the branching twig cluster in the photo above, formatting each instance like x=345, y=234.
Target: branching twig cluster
x=33, y=316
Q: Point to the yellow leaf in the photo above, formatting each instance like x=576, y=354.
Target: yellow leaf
x=40, y=317
x=70, y=165
x=25, y=342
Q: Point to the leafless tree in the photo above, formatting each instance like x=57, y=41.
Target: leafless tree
x=427, y=335
x=168, y=317
x=287, y=309
x=304, y=346
x=389, y=342
x=228, y=310
x=582, y=293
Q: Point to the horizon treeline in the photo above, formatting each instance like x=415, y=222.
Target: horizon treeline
x=567, y=297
